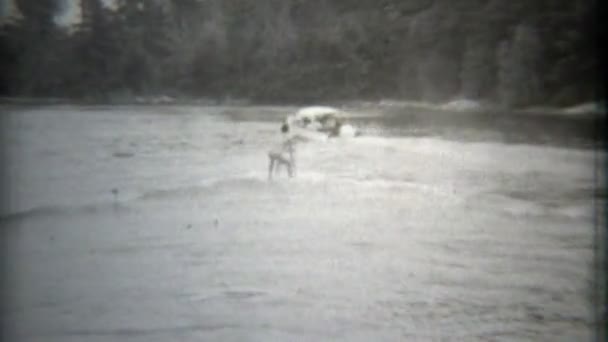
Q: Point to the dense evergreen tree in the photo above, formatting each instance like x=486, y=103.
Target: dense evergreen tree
x=514, y=52
x=28, y=43
x=519, y=81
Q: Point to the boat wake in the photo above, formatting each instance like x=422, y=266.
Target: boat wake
x=249, y=184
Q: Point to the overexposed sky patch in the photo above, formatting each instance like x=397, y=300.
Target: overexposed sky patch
x=70, y=15
x=7, y=8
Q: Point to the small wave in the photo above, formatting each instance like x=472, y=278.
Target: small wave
x=256, y=181
x=58, y=210
x=123, y=154
x=250, y=180
x=312, y=177
x=259, y=182
x=576, y=211
x=122, y=333
x=386, y=183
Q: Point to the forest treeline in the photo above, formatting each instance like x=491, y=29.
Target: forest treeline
x=517, y=53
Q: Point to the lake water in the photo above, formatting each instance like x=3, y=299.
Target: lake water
x=159, y=224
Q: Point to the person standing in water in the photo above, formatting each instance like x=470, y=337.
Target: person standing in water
x=284, y=154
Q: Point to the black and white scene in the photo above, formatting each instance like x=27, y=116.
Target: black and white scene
x=290, y=170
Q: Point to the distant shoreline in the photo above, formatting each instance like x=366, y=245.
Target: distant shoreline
x=465, y=106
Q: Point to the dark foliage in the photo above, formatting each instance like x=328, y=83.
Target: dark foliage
x=513, y=52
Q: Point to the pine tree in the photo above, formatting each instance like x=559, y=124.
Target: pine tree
x=143, y=36
x=37, y=35
x=96, y=47
x=519, y=83
x=39, y=15
x=477, y=70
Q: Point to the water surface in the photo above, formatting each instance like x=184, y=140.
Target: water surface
x=425, y=228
